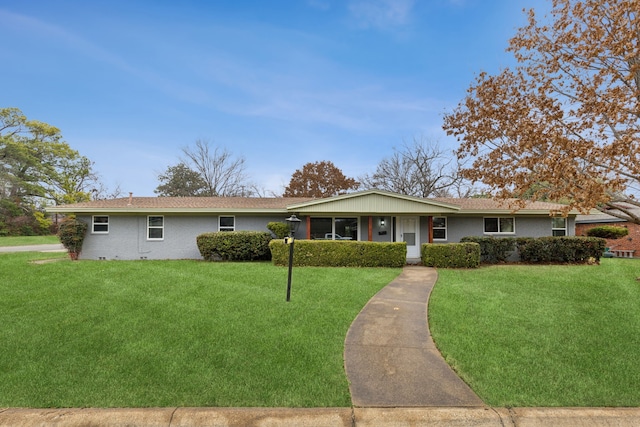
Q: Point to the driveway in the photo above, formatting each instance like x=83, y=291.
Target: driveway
x=56, y=247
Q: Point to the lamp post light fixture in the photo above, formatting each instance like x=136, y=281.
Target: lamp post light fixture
x=294, y=223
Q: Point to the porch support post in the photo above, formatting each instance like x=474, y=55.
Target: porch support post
x=308, y=227
x=430, y=229
x=370, y=236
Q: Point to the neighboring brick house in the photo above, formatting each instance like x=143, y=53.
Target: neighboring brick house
x=630, y=242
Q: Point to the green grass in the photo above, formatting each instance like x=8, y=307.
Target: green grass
x=175, y=333
x=542, y=335
x=28, y=240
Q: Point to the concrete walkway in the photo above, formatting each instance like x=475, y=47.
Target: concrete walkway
x=390, y=358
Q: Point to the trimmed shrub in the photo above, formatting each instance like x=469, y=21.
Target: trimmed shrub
x=71, y=233
x=492, y=250
x=451, y=255
x=608, y=232
x=572, y=249
x=332, y=253
x=234, y=245
x=279, y=229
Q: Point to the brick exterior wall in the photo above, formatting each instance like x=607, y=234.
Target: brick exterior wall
x=629, y=242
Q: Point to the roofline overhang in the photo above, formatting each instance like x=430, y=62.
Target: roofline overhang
x=114, y=211
x=485, y=212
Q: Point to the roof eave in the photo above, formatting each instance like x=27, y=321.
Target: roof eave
x=93, y=210
x=509, y=212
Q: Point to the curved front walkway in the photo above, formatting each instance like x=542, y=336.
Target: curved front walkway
x=390, y=358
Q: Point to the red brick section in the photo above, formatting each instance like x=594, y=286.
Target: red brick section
x=629, y=242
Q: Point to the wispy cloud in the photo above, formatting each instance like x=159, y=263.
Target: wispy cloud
x=381, y=14
x=66, y=39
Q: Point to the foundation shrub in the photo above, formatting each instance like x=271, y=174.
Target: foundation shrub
x=492, y=250
x=71, y=234
x=571, y=249
x=332, y=253
x=279, y=229
x=451, y=255
x=234, y=245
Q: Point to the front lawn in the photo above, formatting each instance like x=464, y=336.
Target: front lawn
x=28, y=240
x=542, y=335
x=175, y=333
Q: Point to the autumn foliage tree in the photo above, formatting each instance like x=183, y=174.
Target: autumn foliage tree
x=564, y=122
x=319, y=179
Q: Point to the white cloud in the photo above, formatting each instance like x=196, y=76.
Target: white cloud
x=381, y=14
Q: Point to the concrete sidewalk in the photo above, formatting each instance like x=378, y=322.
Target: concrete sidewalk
x=322, y=417
x=390, y=358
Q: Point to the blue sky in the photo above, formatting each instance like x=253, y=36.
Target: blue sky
x=279, y=82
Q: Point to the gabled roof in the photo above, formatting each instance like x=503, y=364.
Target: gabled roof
x=182, y=205
x=502, y=207
x=369, y=202
x=374, y=202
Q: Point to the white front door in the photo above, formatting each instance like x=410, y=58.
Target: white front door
x=409, y=232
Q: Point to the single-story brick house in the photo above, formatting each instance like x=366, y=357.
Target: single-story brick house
x=166, y=227
x=628, y=246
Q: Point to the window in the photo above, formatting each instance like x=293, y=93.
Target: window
x=100, y=224
x=500, y=225
x=558, y=226
x=321, y=227
x=227, y=223
x=439, y=228
x=334, y=228
x=155, y=227
x=346, y=228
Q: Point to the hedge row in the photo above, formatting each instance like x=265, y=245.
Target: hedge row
x=234, y=245
x=493, y=250
x=451, y=255
x=572, y=249
x=332, y=253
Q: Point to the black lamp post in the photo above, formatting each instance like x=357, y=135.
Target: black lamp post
x=294, y=223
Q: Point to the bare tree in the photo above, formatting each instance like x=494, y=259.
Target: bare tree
x=223, y=174
x=102, y=192
x=420, y=168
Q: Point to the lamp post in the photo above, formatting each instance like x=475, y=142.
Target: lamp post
x=294, y=223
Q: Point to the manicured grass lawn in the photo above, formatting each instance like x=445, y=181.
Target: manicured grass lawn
x=28, y=240
x=175, y=333
x=543, y=335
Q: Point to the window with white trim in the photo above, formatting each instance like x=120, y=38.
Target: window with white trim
x=439, y=228
x=558, y=226
x=227, y=223
x=100, y=224
x=500, y=225
x=155, y=227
